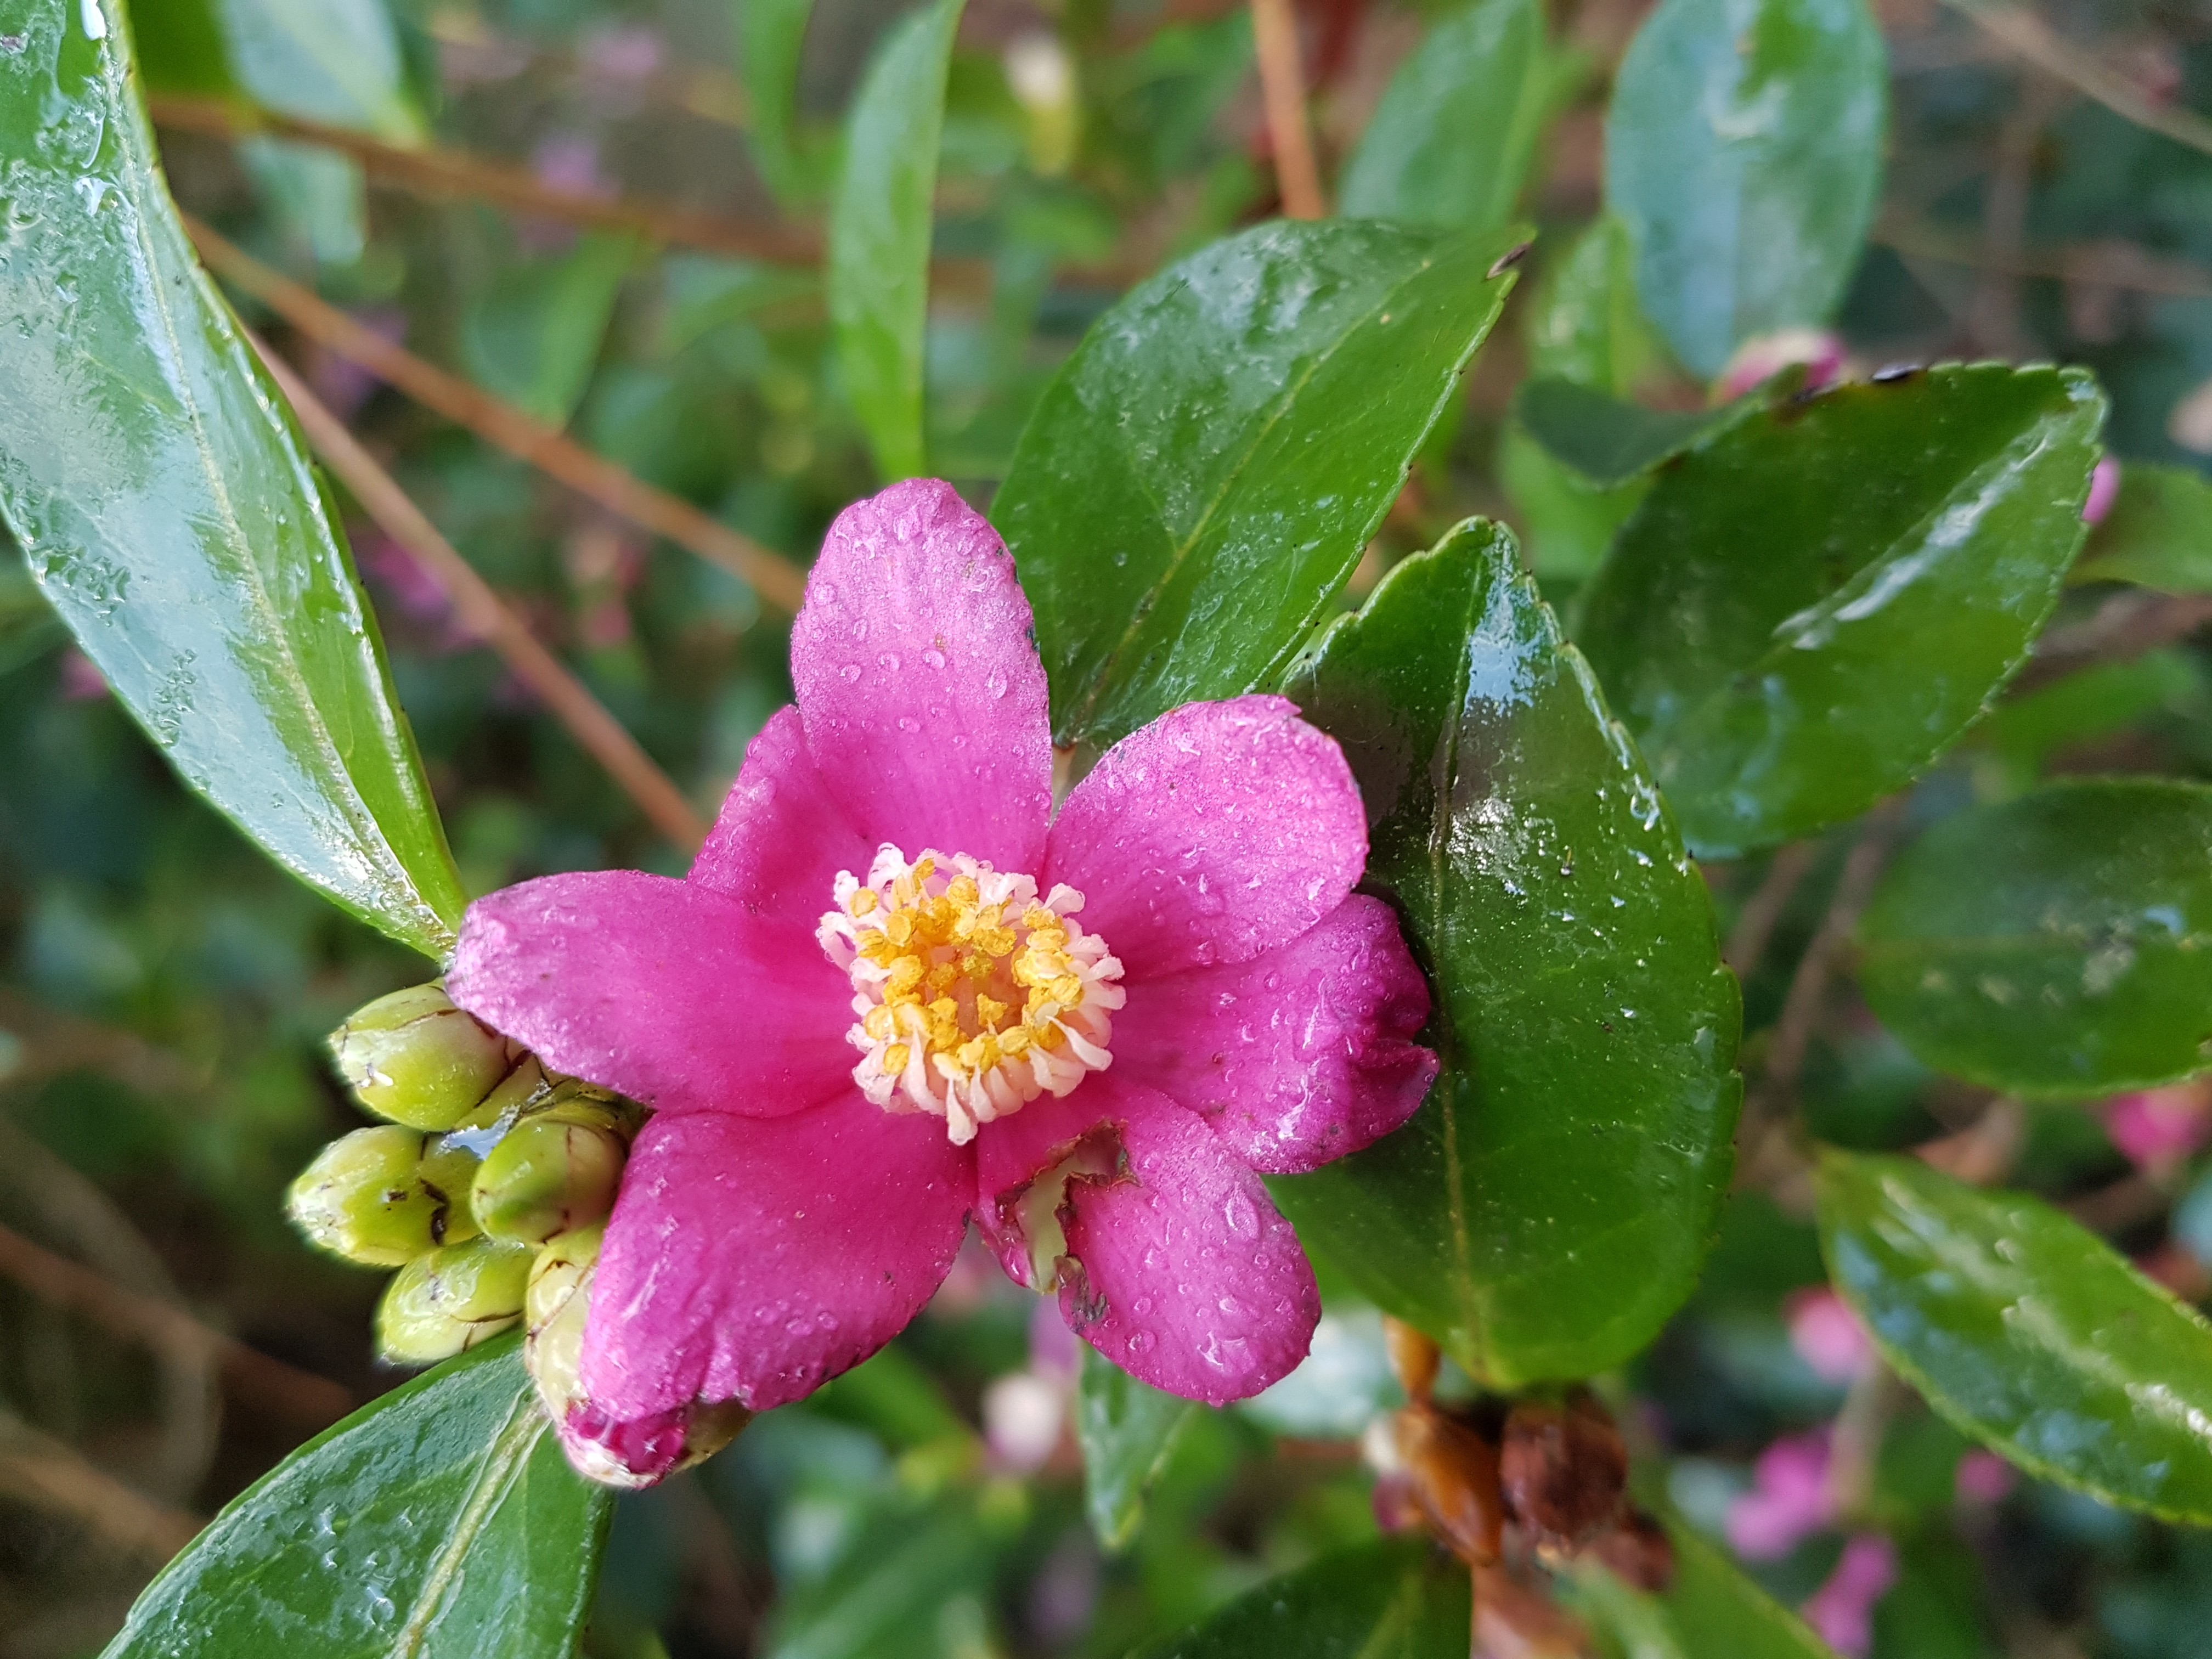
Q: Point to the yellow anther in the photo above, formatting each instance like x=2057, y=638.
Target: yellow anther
x=905, y=974
x=1067, y=991
x=989, y=1011
x=880, y=1021
x=863, y=901
x=896, y=1058
x=963, y=891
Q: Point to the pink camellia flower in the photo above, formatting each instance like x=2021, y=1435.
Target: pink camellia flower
x=1842, y=1610
x=1089, y=1032
x=1788, y=1501
x=2157, y=1129
x=1827, y=1336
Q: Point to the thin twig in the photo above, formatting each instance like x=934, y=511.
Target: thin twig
x=1994, y=315
x=2127, y=625
x=70, y=1284
x=485, y=614
x=1760, y=1132
x=37, y=1469
x=1983, y=1153
x=1282, y=90
x=712, y=94
x=775, y=579
x=2103, y=265
x=54, y=1042
x=446, y=173
x=2022, y=31
x=1754, y=923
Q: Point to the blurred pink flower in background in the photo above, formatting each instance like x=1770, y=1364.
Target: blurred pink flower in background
x=2104, y=489
x=1760, y=358
x=1983, y=1477
x=1841, y=1612
x=1788, y=1501
x=2157, y=1129
x=81, y=680
x=1827, y=1336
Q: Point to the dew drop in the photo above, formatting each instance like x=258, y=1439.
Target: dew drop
x=850, y=673
x=933, y=658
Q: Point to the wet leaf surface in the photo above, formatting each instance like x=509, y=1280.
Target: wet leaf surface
x=881, y=219
x=1204, y=473
x=1743, y=152
x=1815, y=602
x=168, y=505
x=1398, y=1599
x=1549, y=1206
x=438, y=1521
x=2060, y=944
x=2027, y=1331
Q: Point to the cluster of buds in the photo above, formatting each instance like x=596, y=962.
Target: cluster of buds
x=487, y=1186
x=1511, y=1487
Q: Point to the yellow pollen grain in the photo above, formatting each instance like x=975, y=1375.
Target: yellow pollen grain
x=896, y=1058
x=863, y=901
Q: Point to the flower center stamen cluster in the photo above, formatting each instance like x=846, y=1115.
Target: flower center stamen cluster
x=974, y=995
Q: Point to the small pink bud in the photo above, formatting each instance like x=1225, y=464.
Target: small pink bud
x=1984, y=1478
x=1842, y=1610
x=1827, y=1336
x=2104, y=489
x=2157, y=1129
x=1760, y=359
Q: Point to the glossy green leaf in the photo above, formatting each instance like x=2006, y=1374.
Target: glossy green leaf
x=1586, y=326
x=1398, y=1598
x=168, y=504
x=880, y=223
x=534, y=335
x=1606, y=442
x=2027, y=1331
x=1451, y=142
x=181, y=47
x=1548, y=1207
x=1743, y=152
x=327, y=60
x=438, y=1521
x=771, y=40
x=1127, y=1429
x=1816, y=601
x=2058, y=943
x=1709, y=1610
x=2158, y=534
x=1203, y=474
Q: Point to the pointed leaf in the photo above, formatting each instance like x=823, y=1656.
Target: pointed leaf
x=771, y=39
x=1607, y=443
x=880, y=223
x=328, y=60
x=2158, y=535
x=168, y=505
x=1451, y=142
x=1586, y=326
x=1816, y=601
x=1398, y=1599
x=2027, y=1331
x=438, y=1521
x=1203, y=474
x=1743, y=152
x=1127, y=1430
x=1710, y=1609
x=2060, y=944
x=1550, y=1205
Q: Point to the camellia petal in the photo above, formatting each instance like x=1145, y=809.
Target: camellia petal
x=1298, y=1056
x=1219, y=830
x=1183, y=1273
x=919, y=681
x=666, y=991
x=754, y=1259
x=781, y=838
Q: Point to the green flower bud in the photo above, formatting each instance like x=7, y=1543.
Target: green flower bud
x=549, y=1174
x=452, y=1299
x=383, y=1196
x=555, y=1305
x=416, y=1058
